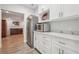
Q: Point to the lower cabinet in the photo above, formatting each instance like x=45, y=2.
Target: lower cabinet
x=46, y=48
x=48, y=44
x=69, y=51
x=58, y=49
x=43, y=43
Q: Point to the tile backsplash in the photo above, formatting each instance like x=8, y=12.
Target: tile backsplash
x=66, y=26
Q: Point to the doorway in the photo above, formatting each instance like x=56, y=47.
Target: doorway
x=12, y=31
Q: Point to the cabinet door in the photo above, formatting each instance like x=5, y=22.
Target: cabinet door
x=70, y=9
x=45, y=44
x=43, y=7
x=56, y=49
x=38, y=42
x=46, y=47
x=69, y=51
x=54, y=11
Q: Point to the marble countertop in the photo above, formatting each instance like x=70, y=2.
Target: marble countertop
x=68, y=36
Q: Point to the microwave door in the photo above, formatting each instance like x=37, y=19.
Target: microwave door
x=46, y=27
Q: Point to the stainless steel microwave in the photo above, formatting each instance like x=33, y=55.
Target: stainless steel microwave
x=43, y=27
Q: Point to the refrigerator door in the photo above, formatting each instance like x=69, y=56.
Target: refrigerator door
x=30, y=30
x=29, y=41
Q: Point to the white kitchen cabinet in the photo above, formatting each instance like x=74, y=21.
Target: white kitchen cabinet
x=64, y=46
x=42, y=43
x=57, y=45
x=69, y=51
x=55, y=11
x=56, y=49
x=46, y=44
x=43, y=7
x=63, y=10
x=37, y=41
x=51, y=44
x=70, y=9
x=59, y=10
x=59, y=49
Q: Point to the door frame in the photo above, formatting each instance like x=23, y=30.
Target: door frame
x=0, y=28
x=1, y=25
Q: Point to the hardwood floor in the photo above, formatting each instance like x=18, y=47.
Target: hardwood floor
x=15, y=45
x=12, y=43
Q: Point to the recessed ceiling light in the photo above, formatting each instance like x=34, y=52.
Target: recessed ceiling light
x=7, y=11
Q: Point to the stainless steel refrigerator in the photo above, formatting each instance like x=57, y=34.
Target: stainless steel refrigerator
x=31, y=27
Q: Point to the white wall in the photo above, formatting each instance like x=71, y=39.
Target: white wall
x=11, y=25
x=21, y=9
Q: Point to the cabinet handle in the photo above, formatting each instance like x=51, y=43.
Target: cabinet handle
x=59, y=51
x=62, y=51
x=60, y=14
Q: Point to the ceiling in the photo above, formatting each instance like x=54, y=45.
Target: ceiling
x=12, y=15
x=15, y=15
x=32, y=6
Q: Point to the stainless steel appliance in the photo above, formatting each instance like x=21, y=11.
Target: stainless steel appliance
x=43, y=27
x=31, y=27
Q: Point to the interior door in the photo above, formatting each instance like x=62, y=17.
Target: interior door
x=4, y=28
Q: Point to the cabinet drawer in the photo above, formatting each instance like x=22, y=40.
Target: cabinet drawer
x=71, y=44
x=46, y=49
x=46, y=43
x=69, y=51
x=56, y=48
x=59, y=40
x=46, y=38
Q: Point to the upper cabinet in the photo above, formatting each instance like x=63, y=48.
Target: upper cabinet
x=70, y=9
x=55, y=11
x=58, y=10
x=42, y=7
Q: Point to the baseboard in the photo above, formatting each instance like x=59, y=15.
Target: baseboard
x=37, y=50
x=29, y=45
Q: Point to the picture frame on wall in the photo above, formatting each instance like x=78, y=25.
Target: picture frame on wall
x=16, y=23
